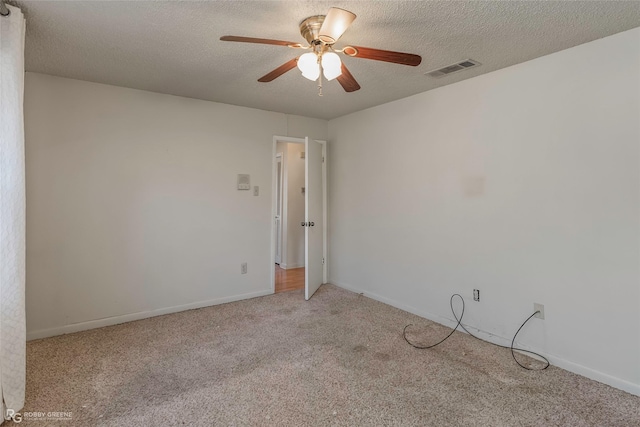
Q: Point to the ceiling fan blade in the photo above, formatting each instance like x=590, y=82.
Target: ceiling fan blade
x=289, y=65
x=335, y=24
x=346, y=80
x=383, y=55
x=260, y=41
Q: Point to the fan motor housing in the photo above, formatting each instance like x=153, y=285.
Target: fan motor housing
x=310, y=28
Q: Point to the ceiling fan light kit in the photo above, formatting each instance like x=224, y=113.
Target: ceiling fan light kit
x=331, y=65
x=322, y=32
x=308, y=64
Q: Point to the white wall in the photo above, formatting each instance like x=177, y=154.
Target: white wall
x=132, y=207
x=293, y=209
x=295, y=206
x=523, y=183
x=281, y=148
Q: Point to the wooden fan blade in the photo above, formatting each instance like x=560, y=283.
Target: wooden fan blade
x=335, y=24
x=346, y=80
x=383, y=55
x=260, y=41
x=289, y=65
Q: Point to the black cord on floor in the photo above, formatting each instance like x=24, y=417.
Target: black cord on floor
x=404, y=331
x=459, y=324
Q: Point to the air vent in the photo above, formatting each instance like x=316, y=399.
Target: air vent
x=453, y=68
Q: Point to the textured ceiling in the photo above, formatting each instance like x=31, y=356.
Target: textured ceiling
x=174, y=47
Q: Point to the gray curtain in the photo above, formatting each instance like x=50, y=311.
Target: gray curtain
x=12, y=214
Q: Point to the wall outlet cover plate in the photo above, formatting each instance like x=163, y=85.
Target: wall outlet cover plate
x=540, y=308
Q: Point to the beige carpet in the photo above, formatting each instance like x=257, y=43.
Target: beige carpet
x=338, y=359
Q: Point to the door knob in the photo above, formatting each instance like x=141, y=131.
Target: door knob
x=312, y=224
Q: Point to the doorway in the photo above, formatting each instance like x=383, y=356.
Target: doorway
x=299, y=215
x=290, y=214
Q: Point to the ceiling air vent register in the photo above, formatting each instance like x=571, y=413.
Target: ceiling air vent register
x=453, y=68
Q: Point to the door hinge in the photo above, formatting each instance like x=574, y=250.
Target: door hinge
x=323, y=261
x=323, y=160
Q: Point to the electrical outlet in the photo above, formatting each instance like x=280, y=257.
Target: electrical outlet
x=256, y=190
x=540, y=308
x=243, y=268
x=476, y=294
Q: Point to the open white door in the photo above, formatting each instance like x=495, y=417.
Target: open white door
x=314, y=216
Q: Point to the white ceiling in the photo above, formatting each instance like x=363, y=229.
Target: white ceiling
x=174, y=47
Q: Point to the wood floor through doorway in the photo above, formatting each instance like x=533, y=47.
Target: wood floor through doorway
x=289, y=280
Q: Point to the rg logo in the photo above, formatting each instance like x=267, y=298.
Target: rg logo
x=16, y=417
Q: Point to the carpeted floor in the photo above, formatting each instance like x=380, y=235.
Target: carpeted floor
x=338, y=359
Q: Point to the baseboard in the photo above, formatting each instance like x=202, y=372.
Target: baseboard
x=115, y=320
x=618, y=383
x=291, y=266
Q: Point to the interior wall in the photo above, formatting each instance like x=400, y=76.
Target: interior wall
x=295, y=206
x=281, y=148
x=293, y=200
x=132, y=203
x=523, y=183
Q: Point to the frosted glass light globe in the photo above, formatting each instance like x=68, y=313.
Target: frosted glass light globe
x=308, y=64
x=331, y=65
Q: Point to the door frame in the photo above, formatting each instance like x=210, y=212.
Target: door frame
x=289, y=139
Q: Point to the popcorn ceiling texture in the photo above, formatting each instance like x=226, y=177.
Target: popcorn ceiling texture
x=174, y=47
x=338, y=359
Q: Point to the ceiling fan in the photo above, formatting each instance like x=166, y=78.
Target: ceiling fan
x=322, y=32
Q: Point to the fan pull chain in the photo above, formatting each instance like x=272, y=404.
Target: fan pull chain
x=319, y=80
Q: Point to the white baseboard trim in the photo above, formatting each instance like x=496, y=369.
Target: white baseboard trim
x=109, y=321
x=618, y=383
x=290, y=266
